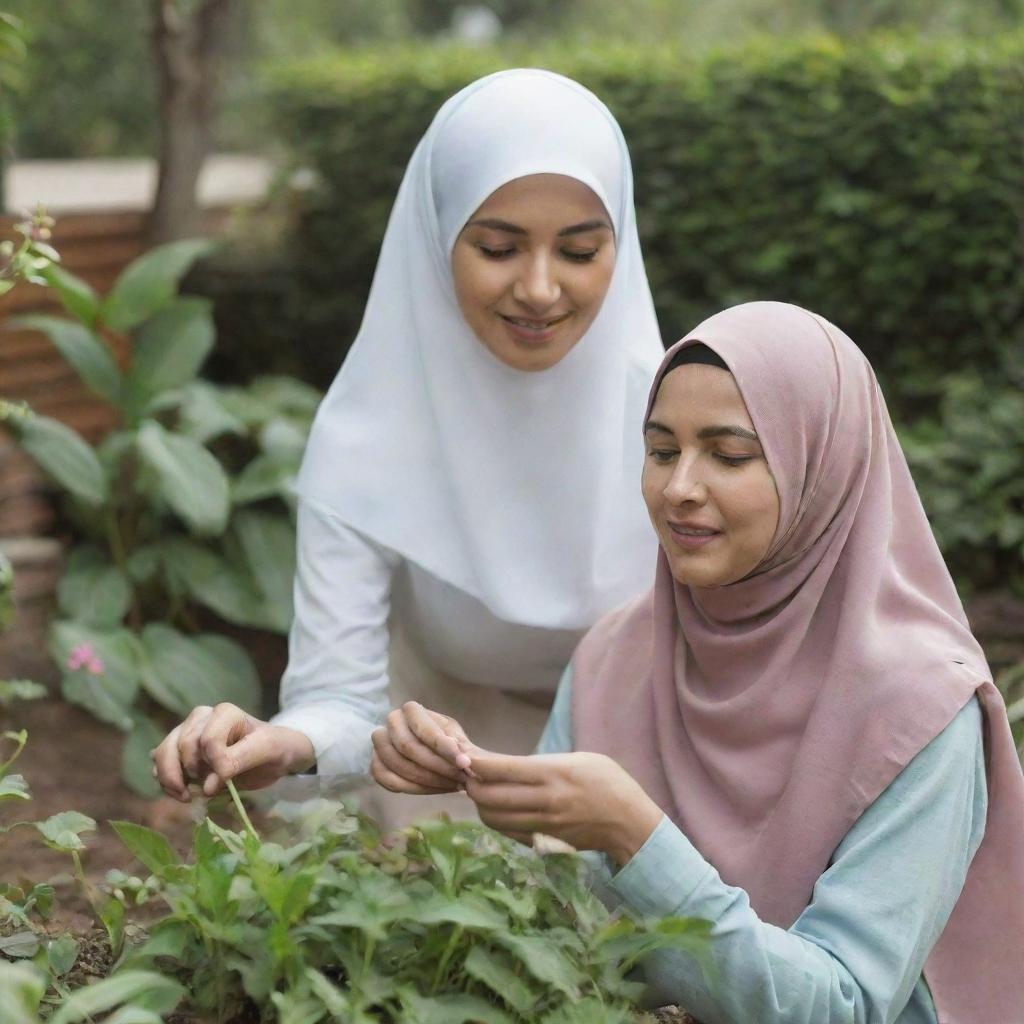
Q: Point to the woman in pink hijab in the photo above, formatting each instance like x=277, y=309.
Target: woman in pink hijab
x=794, y=733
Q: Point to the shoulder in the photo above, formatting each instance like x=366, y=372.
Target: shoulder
x=621, y=633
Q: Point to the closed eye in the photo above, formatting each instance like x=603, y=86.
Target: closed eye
x=734, y=460
x=496, y=254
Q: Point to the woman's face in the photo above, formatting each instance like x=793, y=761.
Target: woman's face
x=532, y=266
x=708, y=488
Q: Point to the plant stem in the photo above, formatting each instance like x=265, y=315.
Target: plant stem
x=240, y=807
x=449, y=952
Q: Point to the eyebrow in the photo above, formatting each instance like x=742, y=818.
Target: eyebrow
x=707, y=432
x=514, y=229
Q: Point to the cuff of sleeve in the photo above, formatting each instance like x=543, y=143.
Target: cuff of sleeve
x=662, y=874
x=340, y=738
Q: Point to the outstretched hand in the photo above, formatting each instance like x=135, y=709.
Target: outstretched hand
x=215, y=744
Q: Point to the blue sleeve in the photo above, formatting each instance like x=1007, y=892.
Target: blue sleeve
x=855, y=955
x=557, y=735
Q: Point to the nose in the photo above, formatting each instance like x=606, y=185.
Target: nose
x=685, y=484
x=537, y=286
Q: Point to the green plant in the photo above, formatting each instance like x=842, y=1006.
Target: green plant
x=186, y=506
x=444, y=923
x=968, y=463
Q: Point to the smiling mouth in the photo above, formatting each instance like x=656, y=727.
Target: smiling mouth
x=535, y=325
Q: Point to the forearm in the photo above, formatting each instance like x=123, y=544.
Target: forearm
x=759, y=972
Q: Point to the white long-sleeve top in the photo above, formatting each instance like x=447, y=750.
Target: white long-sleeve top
x=347, y=591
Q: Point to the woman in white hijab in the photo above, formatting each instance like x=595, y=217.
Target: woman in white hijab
x=468, y=499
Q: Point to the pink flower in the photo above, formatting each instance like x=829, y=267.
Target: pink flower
x=85, y=656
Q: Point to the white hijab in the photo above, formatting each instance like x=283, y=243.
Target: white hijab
x=519, y=488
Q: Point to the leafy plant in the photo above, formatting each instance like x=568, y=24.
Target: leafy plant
x=185, y=506
x=445, y=923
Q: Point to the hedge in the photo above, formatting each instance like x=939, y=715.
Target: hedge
x=880, y=182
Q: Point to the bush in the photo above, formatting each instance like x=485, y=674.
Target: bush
x=879, y=183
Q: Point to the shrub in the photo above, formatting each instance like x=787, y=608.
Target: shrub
x=186, y=506
x=878, y=182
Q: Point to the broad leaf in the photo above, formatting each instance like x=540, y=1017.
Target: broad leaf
x=64, y=455
x=449, y=1009
x=63, y=831
x=494, y=969
x=145, y=990
x=19, y=945
x=180, y=672
x=136, y=764
x=202, y=415
x=169, y=350
x=150, y=282
x=61, y=954
x=189, y=478
x=14, y=787
x=92, y=590
x=211, y=580
x=78, y=297
x=545, y=961
x=264, y=476
x=87, y=353
x=148, y=846
x=110, y=694
x=268, y=543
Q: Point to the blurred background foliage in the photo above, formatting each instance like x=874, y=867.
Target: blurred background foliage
x=860, y=157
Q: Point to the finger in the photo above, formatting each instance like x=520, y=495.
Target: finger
x=523, y=769
x=410, y=746
x=188, y=742
x=518, y=822
x=394, y=760
x=508, y=796
x=240, y=745
x=221, y=738
x=396, y=784
x=167, y=766
x=432, y=730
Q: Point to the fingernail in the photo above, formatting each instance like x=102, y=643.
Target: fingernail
x=463, y=761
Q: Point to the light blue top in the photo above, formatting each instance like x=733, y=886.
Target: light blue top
x=855, y=955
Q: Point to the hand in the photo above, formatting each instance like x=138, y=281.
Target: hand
x=213, y=745
x=586, y=800
x=419, y=751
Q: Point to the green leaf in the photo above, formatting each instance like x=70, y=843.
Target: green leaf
x=151, y=848
x=545, y=961
x=268, y=543
x=180, y=672
x=22, y=945
x=145, y=990
x=78, y=297
x=190, y=479
x=14, y=787
x=92, y=590
x=495, y=971
x=449, y=1009
x=136, y=764
x=20, y=689
x=264, y=476
x=212, y=581
x=64, y=455
x=202, y=415
x=22, y=987
x=109, y=695
x=111, y=913
x=87, y=353
x=150, y=282
x=61, y=954
x=169, y=350
x=63, y=831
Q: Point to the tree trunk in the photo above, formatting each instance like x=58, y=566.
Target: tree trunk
x=188, y=49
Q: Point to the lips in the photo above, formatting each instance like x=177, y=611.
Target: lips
x=530, y=324
x=692, y=535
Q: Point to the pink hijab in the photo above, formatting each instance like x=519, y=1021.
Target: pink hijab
x=765, y=716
